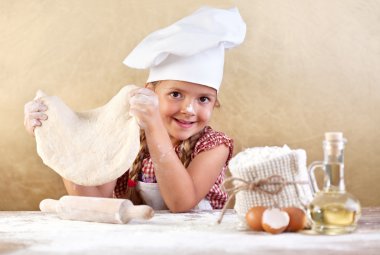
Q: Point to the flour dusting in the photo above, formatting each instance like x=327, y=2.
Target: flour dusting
x=190, y=109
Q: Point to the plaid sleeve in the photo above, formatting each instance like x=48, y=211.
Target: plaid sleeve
x=212, y=139
x=209, y=140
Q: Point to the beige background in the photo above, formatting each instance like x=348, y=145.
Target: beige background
x=306, y=67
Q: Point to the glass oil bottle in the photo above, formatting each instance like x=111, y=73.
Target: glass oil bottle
x=333, y=210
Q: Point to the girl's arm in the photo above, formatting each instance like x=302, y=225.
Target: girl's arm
x=104, y=190
x=182, y=189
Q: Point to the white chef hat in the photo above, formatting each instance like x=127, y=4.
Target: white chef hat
x=192, y=49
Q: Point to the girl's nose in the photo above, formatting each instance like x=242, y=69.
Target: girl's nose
x=188, y=108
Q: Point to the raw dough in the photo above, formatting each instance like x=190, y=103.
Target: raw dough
x=89, y=148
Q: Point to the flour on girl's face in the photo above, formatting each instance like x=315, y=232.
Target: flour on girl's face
x=190, y=109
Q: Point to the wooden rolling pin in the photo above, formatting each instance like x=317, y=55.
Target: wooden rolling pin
x=105, y=210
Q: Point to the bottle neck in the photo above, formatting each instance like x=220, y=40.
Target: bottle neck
x=334, y=165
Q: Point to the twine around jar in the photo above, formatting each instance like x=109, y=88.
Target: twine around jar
x=261, y=185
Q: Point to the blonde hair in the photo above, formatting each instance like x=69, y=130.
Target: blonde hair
x=185, y=150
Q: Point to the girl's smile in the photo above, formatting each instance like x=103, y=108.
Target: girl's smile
x=185, y=107
x=184, y=123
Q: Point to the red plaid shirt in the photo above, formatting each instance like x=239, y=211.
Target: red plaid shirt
x=209, y=140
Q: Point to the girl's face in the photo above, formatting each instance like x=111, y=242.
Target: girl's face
x=185, y=107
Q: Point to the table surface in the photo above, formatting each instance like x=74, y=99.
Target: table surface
x=186, y=233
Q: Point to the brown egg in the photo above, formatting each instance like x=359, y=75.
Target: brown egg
x=274, y=220
x=297, y=219
x=254, y=216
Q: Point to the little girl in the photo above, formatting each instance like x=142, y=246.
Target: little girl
x=182, y=161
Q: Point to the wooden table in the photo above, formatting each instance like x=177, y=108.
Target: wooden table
x=188, y=233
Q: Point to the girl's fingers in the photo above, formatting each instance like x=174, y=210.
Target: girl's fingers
x=34, y=114
x=143, y=91
x=31, y=125
x=34, y=106
x=143, y=99
x=135, y=113
x=37, y=116
x=36, y=123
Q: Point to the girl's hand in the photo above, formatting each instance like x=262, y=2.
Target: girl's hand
x=34, y=114
x=144, y=107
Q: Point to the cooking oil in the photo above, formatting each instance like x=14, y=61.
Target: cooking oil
x=333, y=210
x=334, y=213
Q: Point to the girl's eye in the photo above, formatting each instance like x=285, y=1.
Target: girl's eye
x=175, y=94
x=204, y=99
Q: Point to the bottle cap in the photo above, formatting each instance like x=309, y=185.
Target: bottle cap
x=333, y=136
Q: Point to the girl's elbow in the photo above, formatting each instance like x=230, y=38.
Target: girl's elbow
x=181, y=206
x=179, y=209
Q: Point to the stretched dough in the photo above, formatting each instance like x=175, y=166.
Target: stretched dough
x=89, y=148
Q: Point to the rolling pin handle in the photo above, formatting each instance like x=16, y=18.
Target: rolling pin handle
x=143, y=212
x=49, y=205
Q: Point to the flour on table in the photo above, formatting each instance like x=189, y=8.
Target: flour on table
x=89, y=148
